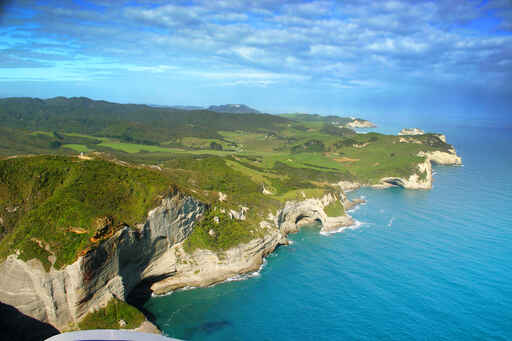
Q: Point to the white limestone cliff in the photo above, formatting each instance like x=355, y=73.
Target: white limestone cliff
x=360, y=124
x=204, y=267
x=113, y=269
x=153, y=250
x=411, y=131
x=442, y=158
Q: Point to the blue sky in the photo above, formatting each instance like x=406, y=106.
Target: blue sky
x=370, y=57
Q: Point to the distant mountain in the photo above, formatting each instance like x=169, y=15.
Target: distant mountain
x=233, y=109
x=187, y=107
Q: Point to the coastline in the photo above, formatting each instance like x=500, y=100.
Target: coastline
x=336, y=225
x=166, y=264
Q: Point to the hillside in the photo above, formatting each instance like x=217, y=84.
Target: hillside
x=345, y=122
x=129, y=122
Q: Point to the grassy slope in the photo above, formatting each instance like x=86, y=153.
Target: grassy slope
x=44, y=199
x=109, y=317
x=334, y=209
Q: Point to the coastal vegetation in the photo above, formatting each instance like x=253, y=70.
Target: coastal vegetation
x=217, y=231
x=55, y=205
x=334, y=209
x=116, y=315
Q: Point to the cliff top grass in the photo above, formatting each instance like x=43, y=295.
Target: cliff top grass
x=218, y=232
x=110, y=316
x=334, y=209
x=54, y=205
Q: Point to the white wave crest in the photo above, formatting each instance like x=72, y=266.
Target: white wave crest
x=186, y=288
x=354, y=226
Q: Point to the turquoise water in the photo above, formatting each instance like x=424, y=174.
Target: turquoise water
x=424, y=265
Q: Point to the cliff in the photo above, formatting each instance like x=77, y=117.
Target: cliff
x=358, y=123
x=422, y=178
x=153, y=250
x=442, y=158
x=411, y=131
x=113, y=269
x=204, y=267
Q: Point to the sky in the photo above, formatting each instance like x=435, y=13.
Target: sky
x=374, y=58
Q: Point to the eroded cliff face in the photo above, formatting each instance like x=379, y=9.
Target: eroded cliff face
x=360, y=124
x=114, y=268
x=152, y=250
x=421, y=179
x=442, y=158
x=298, y=213
x=204, y=267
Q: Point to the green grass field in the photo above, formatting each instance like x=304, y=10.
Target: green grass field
x=77, y=147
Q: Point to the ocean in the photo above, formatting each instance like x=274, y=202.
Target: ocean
x=420, y=265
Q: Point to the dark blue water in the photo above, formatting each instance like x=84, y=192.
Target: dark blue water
x=424, y=265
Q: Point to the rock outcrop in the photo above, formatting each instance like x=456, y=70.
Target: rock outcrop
x=422, y=179
x=360, y=124
x=442, y=158
x=298, y=213
x=411, y=131
x=112, y=269
x=205, y=267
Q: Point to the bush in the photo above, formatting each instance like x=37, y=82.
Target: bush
x=225, y=234
x=109, y=317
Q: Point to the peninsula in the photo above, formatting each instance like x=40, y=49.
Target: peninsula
x=98, y=198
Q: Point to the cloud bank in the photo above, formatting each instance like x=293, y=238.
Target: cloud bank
x=340, y=54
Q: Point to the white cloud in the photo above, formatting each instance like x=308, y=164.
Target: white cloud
x=354, y=43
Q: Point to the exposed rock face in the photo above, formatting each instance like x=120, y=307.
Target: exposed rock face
x=442, y=137
x=360, y=124
x=298, y=213
x=443, y=158
x=205, y=267
x=422, y=179
x=411, y=131
x=114, y=268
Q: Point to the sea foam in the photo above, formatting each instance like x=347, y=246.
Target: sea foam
x=354, y=226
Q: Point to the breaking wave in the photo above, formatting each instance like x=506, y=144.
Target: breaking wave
x=354, y=226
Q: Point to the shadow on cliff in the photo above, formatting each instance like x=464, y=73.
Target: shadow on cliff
x=142, y=293
x=14, y=325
